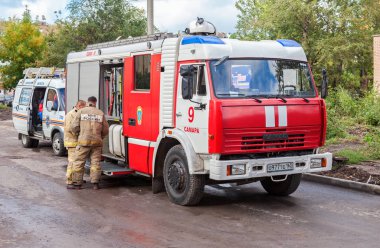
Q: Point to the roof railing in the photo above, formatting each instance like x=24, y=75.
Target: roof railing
x=132, y=40
x=43, y=72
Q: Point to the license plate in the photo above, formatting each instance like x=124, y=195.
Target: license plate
x=280, y=167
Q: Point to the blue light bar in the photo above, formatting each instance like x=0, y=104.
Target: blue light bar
x=289, y=43
x=201, y=40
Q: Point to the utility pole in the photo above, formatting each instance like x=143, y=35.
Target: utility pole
x=150, y=17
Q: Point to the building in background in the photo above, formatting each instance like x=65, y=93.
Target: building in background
x=376, y=63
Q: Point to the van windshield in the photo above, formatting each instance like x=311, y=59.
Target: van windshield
x=61, y=94
x=239, y=78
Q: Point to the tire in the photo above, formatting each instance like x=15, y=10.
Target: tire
x=58, y=145
x=283, y=188
x=27, y=142
x=182, y=188
x=158, y=185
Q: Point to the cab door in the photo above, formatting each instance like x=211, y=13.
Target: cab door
x=141, y=100
x=21, y=109
x=192, y=114
x=49, y=117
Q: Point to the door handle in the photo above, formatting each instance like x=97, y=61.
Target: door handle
x=17, y=107
x=132, y=122
x=179, y=114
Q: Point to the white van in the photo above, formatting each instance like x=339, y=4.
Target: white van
x=2, y=96
x=38, y=109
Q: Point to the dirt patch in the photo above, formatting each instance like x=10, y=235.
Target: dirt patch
x=366, y=172
x=5, y=114
x=334, y=148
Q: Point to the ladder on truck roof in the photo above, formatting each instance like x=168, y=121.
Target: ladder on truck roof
x=132, y=40
x=43, y=72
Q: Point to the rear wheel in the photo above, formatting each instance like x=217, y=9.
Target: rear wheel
x=27, y=142
x=58, y=145
x=282, y=188
x=182, y=188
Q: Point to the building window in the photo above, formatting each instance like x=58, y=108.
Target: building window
x=142, y=72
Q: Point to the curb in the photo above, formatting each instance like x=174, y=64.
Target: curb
x=364, y=187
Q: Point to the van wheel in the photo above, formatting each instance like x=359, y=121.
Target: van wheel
x=283, y=188
x=27, y=142
x=58, y=145
x=182, y=188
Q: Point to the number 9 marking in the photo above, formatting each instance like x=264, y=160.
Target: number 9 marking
x=191, y=114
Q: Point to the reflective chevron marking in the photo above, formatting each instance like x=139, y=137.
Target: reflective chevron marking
x=270, y=120
x=269, y=116
x=282, y=116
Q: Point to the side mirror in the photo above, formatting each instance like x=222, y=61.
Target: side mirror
x=187, y=73
x=324, y=85
x=49, y=105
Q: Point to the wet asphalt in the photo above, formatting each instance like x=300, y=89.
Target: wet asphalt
x=36, y=210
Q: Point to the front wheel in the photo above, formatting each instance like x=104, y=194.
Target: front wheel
x=58, y=145
x=27, y=142
x=282, y=188
x=182, y=188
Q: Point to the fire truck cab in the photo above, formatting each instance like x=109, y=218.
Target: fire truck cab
x=196, y=109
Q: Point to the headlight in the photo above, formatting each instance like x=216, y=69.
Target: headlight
x=318, y=163
x=236, y=169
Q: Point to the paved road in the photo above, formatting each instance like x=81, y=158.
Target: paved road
x=36, y=210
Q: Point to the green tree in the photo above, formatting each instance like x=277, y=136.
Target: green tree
x=336, y=34
x=92, y=21
x=21, y=45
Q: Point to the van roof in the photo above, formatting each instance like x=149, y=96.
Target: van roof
x=43, y=82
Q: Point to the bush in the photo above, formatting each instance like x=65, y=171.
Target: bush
x=345, y=104
x=369, y=111
x=335, y=129
x=3, y=106
x=345, y=110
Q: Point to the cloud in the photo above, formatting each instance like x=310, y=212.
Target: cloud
x=175, y=15
x=11, y=8
x=169, y=15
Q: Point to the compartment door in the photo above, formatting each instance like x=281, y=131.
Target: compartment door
x=138, y=103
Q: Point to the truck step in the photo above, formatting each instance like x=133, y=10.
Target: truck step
x=110, y=169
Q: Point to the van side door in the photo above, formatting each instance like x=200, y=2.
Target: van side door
x=21, y=109
x=49, y=119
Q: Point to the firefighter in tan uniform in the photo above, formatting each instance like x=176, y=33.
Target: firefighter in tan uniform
x=71, y=141
x=91, y=126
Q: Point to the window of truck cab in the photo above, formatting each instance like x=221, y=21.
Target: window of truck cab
x=241, y=78
x=199, y=80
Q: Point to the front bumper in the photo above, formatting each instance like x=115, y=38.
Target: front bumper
x=256, y=168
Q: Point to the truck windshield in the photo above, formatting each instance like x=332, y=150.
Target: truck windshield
x=61, y=93
x=239, y=78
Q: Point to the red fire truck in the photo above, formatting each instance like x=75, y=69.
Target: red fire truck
x=194, y=109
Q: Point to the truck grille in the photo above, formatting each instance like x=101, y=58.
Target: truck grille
x=256, y=140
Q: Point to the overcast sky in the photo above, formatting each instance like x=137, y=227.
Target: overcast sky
x=169, y=15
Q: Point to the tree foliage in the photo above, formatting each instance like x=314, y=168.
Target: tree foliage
x=92, y=21
x=21, y=46
x=336, y=34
